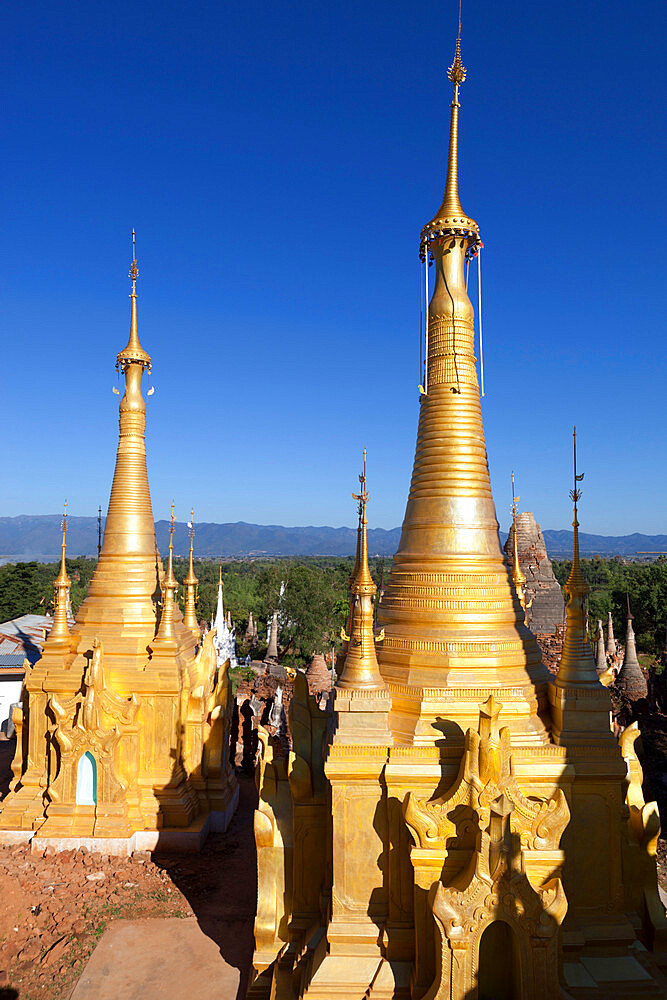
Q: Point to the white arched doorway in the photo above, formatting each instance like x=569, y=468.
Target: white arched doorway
x=86, y=780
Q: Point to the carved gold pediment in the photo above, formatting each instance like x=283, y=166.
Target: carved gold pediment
x=485, y=774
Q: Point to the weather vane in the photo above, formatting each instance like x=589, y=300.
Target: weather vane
x=134, y=270
x=575, y=494
x=362, y=497
x=457, y=71
x=515, y=499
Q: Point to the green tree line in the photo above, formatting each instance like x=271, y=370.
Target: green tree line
x=26, y=588
x=609, y=580
x=312, y=609
x=314, y=604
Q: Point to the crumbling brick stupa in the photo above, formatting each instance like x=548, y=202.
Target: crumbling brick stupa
x=545, y=608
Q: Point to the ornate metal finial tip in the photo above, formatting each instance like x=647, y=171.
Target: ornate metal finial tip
x=457, y=71
x=134, y=271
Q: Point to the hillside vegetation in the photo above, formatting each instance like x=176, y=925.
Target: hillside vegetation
x=314, y=604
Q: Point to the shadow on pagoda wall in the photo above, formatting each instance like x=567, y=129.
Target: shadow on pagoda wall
x=7, y=751
x=451, y=732
x=512, y=954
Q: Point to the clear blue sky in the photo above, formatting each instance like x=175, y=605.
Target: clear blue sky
x=278, y=160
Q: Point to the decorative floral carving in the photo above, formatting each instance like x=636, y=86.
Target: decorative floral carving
x=494, y=884
x=93, y=720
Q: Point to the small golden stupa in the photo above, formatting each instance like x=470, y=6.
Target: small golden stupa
x=457, y=826
x=123, y=730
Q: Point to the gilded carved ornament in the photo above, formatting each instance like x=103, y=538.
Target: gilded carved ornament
x=100, y=718
x=643, y=832
x=494, y=884
x=487, y=772
x=644, y=818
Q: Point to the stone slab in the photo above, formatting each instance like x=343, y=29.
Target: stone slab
x=16, y=836
x=156, y=960
x=615, y=969
x=576, y=976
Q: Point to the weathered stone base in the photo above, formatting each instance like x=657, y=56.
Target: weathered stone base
x=184, y=840
x=610, y=976
x=351, y=978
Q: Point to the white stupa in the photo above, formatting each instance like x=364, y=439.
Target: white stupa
x=225, y=639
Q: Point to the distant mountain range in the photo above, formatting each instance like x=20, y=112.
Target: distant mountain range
x=28, y=537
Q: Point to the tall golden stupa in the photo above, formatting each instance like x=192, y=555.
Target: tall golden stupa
x=123, y=730
x=457, y=826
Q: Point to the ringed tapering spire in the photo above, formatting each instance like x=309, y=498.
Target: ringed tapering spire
x=580, y=704
x=60, y=629
x=611, y=641
x=191, y=581
x=600, y=655
x=450, y=216
x=577, y=665
x=360, y=668
x=133, y=351
x=454, y=625
x=127, y=572
x=631, y=680
x=166, y=631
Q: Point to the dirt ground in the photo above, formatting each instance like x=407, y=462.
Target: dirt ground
x=55, y=909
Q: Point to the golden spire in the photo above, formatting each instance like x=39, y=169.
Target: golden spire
x=452, y=621
x=358, y=554
x=360, y=669
x=518, y=576
x=577, y=665
x=450, y=216
x=133, y=352
x=190, y=618
x=125, y=579
x=169, y=588
x=60, y=630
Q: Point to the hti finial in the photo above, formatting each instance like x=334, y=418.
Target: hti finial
x=575, y=494
x=362, y=496
x=134, y=270
x=515, y=500
x=457, y=71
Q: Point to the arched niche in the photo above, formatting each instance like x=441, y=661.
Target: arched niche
x=86, y=780
x=498, y=975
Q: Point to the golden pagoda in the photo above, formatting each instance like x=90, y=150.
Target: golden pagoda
x=123, y=730
x=456, y=825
